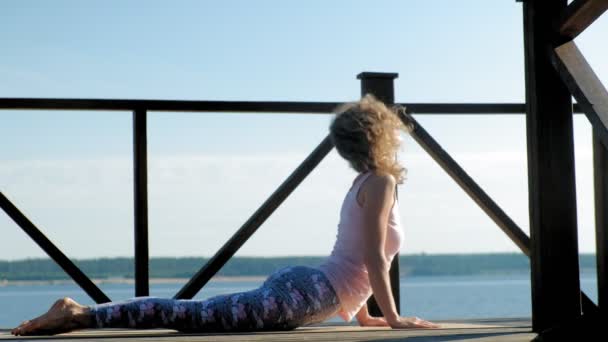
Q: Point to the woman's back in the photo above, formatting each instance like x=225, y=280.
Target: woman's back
x=345, y=267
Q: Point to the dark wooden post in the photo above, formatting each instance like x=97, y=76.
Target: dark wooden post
x=600, y=167
x=556, y=298
x=140, y=196
x=381, y=85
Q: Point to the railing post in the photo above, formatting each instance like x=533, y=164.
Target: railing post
x=556, y=296
x=381, y=85
x=600, y=167
x=140, y=196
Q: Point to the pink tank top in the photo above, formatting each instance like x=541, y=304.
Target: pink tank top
x=345, y=267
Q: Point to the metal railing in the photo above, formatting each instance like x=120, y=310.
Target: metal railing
x=380, y=84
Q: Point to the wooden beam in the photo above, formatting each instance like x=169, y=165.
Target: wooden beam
x=579, y=15
x=592, y=97
x=140, y=205
x=556, y=298
x=584, y=85
x=600, y=175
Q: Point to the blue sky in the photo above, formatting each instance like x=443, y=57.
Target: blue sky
x=70, y=172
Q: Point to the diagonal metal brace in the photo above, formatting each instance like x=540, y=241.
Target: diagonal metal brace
x=504, y=222
x=51, y=250
x=254, y=222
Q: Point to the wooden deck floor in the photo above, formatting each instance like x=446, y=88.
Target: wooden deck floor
x=469, y=330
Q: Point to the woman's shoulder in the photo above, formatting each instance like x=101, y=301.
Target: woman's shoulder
x=382, y=180
x=378, y=185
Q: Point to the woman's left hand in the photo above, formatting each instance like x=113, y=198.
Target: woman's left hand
x=371, y=321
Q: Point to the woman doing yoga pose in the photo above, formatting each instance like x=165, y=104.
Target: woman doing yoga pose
x=366, y=134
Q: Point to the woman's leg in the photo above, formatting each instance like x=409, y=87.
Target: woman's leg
x=289, y=298
x=63, y=316
x=308, y=297
x=234, y=312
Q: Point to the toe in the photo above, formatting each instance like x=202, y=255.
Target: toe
x=27, y=327
x=17, y=330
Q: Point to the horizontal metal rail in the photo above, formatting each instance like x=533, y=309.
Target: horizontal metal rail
x=248, y=106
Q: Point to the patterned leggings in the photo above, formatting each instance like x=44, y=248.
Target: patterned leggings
x=290, y=297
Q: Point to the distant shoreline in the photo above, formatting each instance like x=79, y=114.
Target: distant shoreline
x=227, y=279
x=221, y=279
x=178, y=270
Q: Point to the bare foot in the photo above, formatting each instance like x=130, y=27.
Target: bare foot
x=65, y=315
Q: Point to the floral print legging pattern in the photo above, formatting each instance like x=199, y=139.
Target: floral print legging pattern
x=290, y=297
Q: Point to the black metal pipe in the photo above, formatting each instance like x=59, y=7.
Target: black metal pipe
x=52, y=251
x=248, y=106
x=255, y=221
x=140, y=196
x=169, y=105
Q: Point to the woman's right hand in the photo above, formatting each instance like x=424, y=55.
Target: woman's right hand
x=411, y=323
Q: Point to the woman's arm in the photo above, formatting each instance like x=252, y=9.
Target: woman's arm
x=365, y=320
x=378, y=200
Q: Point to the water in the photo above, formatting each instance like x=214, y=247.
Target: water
x=434, y=298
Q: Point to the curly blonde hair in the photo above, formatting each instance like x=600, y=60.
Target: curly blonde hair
x=364, y=133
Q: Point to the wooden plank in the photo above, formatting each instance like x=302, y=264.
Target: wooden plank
x=584, y=85
x=579, y=15
x=503, y=330
x=600, y=175
x=556, y=297
x=477, y=335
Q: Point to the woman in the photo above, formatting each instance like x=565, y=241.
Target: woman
x=366, y=134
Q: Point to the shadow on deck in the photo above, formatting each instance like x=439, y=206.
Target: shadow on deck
x=465, y=330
